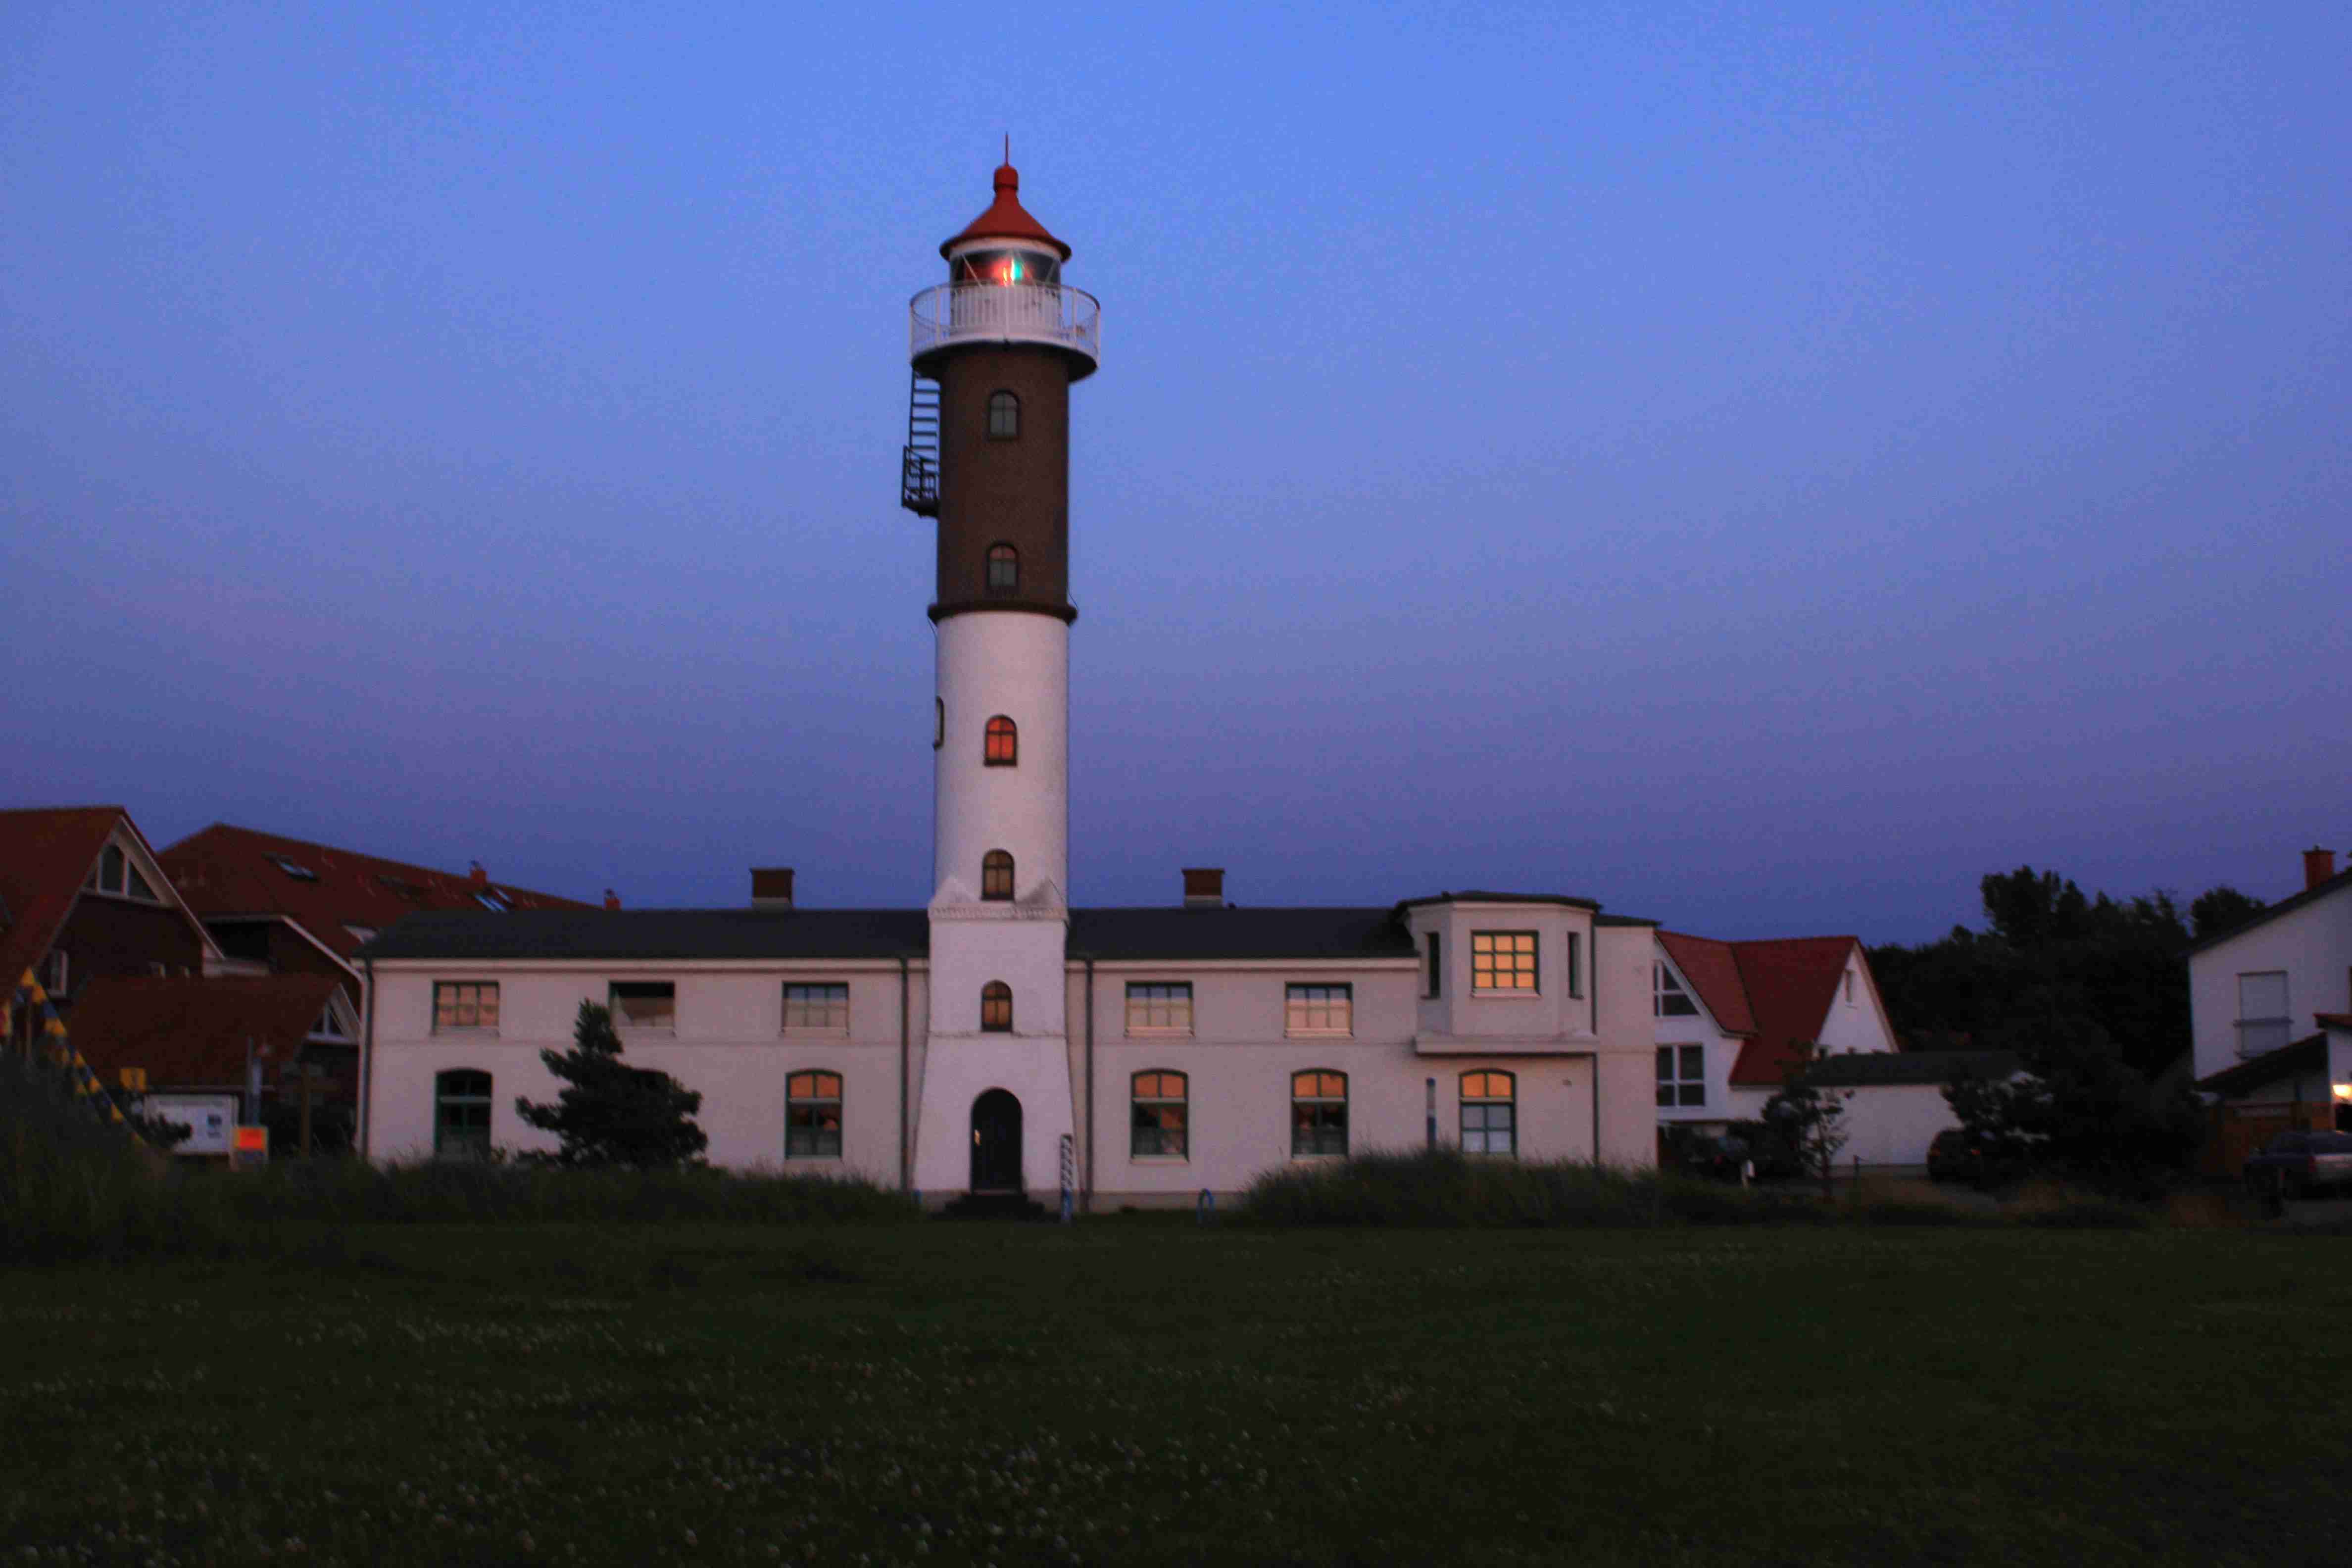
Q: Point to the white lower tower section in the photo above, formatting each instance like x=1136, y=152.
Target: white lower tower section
x=1013, y=664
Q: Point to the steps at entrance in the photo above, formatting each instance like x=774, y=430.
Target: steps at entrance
x=996, y=1206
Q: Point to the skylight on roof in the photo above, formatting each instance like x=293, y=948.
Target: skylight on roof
x=491, y=901
x=294, y=869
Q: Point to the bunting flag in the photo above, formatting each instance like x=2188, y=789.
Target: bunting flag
x=60, y=1049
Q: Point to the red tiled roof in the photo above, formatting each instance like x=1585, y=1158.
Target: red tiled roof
x=1006, y=217
x=1710, y=966
x=192, y=1033
x=225, y=870
x=1790, y=984
x=45, y=855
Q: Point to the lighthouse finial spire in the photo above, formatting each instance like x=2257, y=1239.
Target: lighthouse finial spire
x=1008, y=146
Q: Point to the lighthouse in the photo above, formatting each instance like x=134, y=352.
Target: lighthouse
x=994, y=351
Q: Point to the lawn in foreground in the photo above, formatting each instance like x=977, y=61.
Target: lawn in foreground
x=1145, y=1393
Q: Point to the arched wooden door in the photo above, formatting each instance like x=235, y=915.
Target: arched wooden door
x=996, y=1142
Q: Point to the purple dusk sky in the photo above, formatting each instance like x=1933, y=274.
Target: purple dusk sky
x=1762, y=473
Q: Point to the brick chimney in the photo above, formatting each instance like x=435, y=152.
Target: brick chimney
x=476, y=877
x=1205, y=887
x=612, y=900
x=772, y=886
x=2318, y=865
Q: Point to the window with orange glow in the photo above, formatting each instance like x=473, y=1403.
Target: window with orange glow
x=1156, y=1126
x=996, y=875
x=996, y=1007
x=813, y=1116
x=1002, y=746
x=1489, y=1113
x=1319, y=1113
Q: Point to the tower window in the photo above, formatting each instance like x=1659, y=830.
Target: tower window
x=1003, y=746
x=1003, y=569
x=996, y=1007
x=1003, y=416
x=996, y=875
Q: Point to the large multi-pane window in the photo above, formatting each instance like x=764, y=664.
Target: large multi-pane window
x=1667, y=997
x=996, y=1007
x=1502, y=961
x=644, y=1004
x=813, y=1116
x=465, y=1005
x=461, y=1114
x=816, y=1006
x=1489, y=1113
x=1319, y=1113
x=1001, y=745
x=1157, y=1124
x=1319, y=1010
x=2264, y=1021
x=996, y=875
x=1159, y=1006
x=1682, y=1075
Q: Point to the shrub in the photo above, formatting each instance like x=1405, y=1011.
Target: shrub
x=73, y=1183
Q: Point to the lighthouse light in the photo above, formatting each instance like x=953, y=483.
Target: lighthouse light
x=1007, y=268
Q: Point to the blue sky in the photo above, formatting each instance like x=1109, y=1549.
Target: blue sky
x=1760, y=470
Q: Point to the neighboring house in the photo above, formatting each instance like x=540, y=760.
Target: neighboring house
x=1198, y=1045
x=1896, y=1105
x=280, y=1050
x=2270, y=1009
x=82, y=898
x=1728, y=1017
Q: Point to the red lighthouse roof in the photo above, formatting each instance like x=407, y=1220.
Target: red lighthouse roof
x=1006, y=218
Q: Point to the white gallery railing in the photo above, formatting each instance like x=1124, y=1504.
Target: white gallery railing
x=1019, y=312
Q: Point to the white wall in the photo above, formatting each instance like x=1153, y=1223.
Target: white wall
x=1856, y=1022
x=1016, y=664
x=2311, y=944
x=1893, y=1123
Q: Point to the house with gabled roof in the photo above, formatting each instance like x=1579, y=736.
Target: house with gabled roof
x=83, y=897
x=1730, y=1017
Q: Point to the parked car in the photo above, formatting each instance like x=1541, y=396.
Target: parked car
x=2293, y=1164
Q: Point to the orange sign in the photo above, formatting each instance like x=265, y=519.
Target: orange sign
x=252, y=1141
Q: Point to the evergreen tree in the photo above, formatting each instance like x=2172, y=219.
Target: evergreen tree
x=609, y=1114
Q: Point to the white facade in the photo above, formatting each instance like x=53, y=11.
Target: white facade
x=2289, y=968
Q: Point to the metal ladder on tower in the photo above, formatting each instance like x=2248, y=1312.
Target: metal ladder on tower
x=919, y=467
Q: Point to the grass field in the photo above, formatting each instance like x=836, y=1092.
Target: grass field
x=1135, y=1391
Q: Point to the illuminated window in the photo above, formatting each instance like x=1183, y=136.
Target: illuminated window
x=813, y=1116
x=1667, y=997
x=1502, y=961
x=1003, y=416
x=1489, y=1113
x=1158, y=1007
x=819, y=1007
x=1003, y=569
x=1157, y=1125
x=643, y=1003
x=461, y=1115
x=996, y=1007
x=1002, y=746
x=1319, y=1010
x=465, y=1005
x=1682, y=1075
x=996, y=875
x=1319, y=1113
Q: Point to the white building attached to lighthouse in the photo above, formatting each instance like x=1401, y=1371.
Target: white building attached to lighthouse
x=998, y=1040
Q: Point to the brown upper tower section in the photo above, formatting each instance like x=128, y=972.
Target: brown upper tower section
x=994, y=351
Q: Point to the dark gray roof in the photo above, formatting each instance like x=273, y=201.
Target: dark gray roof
x=656, y=935
x=1479, y=896
x=1174, y=934
x=1863, y=1069
x=1170, y=935
x=1602, y=920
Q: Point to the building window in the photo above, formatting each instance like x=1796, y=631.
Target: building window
x=811, y=1008
x=1159, y=1006
x=813, y=1116
x=1682, y=1075
x=465, y=1005
x=644, y=1004
x=1489, y=1113
x=1849, y=987
x=115, y=874
x=461, y=1115
x=996, y=875
x=1003, y=416
x=1575, y=964
x=1319, y=1010
x=1319, y=1113
x=1003, y=569
x=996, y=1008
x=1001, y=747
x=2264, y=1021
x=1157, y=1126
x=1667, y=997
x=1502, y=961
x=1436, y=982
x=55, y=971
